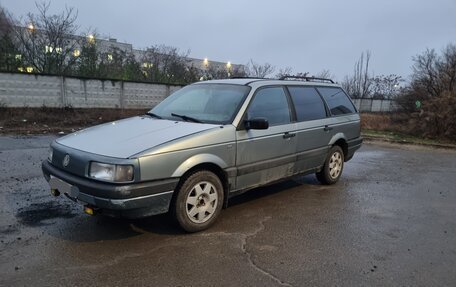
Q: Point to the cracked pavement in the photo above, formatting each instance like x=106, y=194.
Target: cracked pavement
x=391, y=220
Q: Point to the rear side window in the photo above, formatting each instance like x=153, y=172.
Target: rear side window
x=308, y=104
x=337, y=100
x=272, y=104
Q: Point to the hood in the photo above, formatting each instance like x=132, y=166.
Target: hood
x=127, y=137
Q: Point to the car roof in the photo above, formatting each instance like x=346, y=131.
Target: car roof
x=262, y=82
x=235, y=81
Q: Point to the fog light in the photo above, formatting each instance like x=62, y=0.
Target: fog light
x=89, y=210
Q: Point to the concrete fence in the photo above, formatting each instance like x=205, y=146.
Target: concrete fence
x=31, y=90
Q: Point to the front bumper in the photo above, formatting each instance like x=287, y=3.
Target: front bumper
x=120, y=200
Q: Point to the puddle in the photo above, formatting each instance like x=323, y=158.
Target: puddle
x=37, y=213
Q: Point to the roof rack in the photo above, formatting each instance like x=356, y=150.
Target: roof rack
x=307, y=79
x=240, y=77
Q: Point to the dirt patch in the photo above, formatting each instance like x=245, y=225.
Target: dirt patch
x=10, y=229
x=37, y=213
x=54, y=120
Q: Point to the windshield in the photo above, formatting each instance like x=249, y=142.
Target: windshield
x=206, y=103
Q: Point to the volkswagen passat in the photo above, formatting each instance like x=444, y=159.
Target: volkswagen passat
x=203, y=144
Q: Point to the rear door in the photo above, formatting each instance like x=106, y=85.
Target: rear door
x=344, y=118
x=313, y=131
x=266, y=155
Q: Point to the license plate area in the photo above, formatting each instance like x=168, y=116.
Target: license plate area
x=64, y=187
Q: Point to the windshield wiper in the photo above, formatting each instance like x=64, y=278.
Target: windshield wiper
x=153, y=115
x=186, y=118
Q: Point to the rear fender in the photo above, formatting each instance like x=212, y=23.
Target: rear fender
x=337, y=137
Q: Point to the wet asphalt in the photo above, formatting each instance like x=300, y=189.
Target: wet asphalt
x=390, y=221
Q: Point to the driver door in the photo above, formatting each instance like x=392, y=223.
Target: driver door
x=266, y=155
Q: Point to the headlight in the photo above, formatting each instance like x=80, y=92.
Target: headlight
x=51, y=153
x=111, y=172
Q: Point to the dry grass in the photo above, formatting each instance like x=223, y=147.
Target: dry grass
x=53, y=120
x=377, y=121
x=387, y=122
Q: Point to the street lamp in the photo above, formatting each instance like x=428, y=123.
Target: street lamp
x=91, y=38
x=228, y=67
x=31, y=27
x=205, y=66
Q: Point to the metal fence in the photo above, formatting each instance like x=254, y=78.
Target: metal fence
x=370, y=105
x=32, y=90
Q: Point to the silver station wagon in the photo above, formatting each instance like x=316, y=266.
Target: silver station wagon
x=205, y=143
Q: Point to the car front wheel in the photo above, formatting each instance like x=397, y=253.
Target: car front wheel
x=332, y=169
x=199, y=201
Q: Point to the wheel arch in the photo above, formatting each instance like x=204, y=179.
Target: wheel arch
x=340, y=140
x=207, y=162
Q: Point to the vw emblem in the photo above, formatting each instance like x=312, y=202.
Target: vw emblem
x=66, y=160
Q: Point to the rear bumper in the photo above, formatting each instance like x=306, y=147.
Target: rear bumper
x=126, y=200
x=353, y=145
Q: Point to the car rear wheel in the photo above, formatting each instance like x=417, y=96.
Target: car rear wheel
x=199, y=201
x=333, y=166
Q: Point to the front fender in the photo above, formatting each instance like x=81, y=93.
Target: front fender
x=196, y=160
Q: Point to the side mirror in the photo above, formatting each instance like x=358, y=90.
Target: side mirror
x=256, y=124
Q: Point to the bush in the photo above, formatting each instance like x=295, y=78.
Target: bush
x=438, y=117
x=429, y=101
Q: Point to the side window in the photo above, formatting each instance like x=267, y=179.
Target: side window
x=272, y=104
x=308, y=104
x=337, y=100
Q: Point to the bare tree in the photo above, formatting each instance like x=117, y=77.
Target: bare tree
x=257, y=70
x=167, y=64
x=359, y=84
x=238, y=71
x=425, y=72
x=386, y=86
x=119, y=64
x=47, y=42
x=216, y=72
x=325, y=74
x=5, y=22
x=447, y=67
x=284, y=72
x=434, y=76
x=435, y=73
x=430, y=98
x=8, y=49
x=88, y=58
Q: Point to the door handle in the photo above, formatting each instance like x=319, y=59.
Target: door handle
x=327, y=128
x=288, y=135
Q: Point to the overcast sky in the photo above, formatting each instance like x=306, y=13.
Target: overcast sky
x=307, y=36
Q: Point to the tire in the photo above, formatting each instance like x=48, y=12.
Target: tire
x=199, y=201
x=332, y=169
